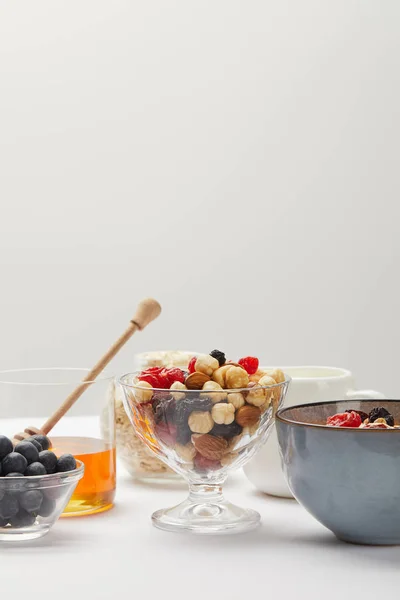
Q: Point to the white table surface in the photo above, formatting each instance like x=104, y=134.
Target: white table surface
x=120, y=554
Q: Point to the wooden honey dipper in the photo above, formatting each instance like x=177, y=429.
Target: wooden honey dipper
x=146, y=312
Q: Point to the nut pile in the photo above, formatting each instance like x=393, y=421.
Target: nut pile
x=378, y=418
x=20, y=504
x=202, y=413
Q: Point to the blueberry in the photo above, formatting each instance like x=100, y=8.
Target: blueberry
x=66, y=462
x=3, y=522
x=37, y=445
x=43, y=441
x=6, y=446
x=22, y=519
x=15, y=487
x=31, y=500
x=48, y=460
x=28, y=450
x=14, y=463
x=35, y=468
x=47, y=508
x=8, y=506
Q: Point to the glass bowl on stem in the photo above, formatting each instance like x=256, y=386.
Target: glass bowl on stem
x=202, y=435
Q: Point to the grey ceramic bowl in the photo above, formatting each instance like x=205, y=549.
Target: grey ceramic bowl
x=347, y=478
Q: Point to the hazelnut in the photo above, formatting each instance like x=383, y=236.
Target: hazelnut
x=213, y=386
x=200, y=422
x=223, y=414
x=237, y=399
x=144, y=392
x=256, y=397
x=236, y=378
x=220, y=375
x=177, y=385
x=276, y=374
x=267, y=380
x=206, y=364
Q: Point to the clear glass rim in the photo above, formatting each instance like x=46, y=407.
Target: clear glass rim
x=102, y=377
x=78, y=472
x=208, y=392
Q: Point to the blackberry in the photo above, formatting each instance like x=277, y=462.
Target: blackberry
x=362, y=414
x=220, y=356
x=227, y=431
x=381, y=413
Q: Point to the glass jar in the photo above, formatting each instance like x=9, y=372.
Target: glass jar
x=140, y=462
x=28, y=397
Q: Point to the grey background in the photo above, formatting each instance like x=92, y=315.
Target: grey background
x=238, y=160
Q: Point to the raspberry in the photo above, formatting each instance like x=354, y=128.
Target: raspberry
x=220, y=356
x=250, y=363
x=362, y=414
x=347, y=419
x=169, y=376
x=191, y=364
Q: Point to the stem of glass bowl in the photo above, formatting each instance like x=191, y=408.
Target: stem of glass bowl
x=205, y=493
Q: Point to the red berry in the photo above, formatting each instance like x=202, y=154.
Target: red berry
x=169, y=376
x=250, y=363
x=153, y=370
x=153, y=380
x=347, y=419
x=191, y=364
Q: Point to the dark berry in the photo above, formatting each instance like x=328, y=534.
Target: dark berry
x=22, y=519
x=227, y=431
x=35, y=468
x=37, y=445
x=249, y=363
x=48, y=460
x=165, y=412
x=362, y=414
x=15, y=487
x=191, y=365
x=8, y=506
x=220, y=356
x=43, y=441
x=66, y=462
x=3, y=522
x=381, y=413
x=189, y=404
x=31, y=500
x=48, y=506
x=28, y=450
x=14, y=463
x=6, y=446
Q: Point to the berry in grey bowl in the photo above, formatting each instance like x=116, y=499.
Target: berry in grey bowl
x=35, y=487
x=346, y=476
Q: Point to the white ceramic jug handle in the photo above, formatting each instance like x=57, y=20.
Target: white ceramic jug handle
x=365, y=395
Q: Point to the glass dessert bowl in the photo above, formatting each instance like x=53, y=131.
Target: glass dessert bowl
x=202, y=434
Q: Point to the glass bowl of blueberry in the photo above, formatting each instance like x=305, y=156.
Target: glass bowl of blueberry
x=35, y=487
x=204, y=421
